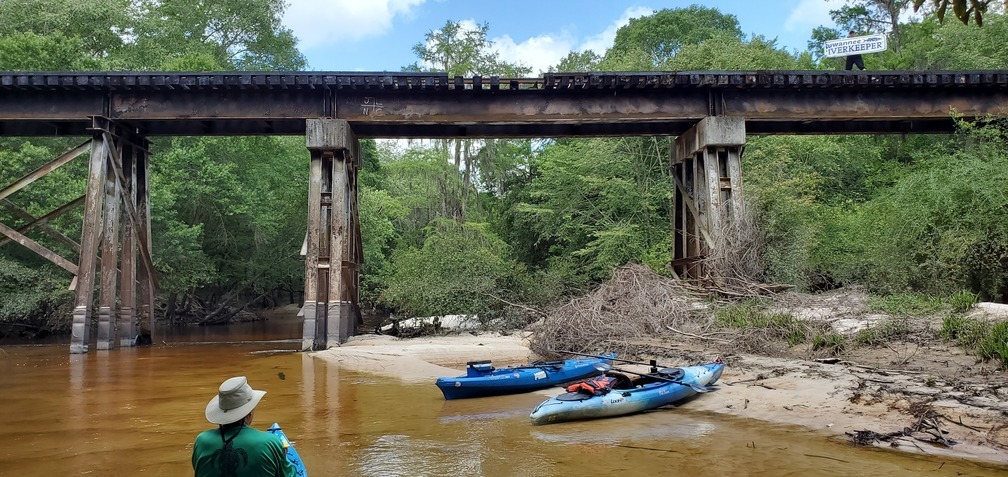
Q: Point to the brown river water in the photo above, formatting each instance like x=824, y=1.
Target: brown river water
x=137, y=411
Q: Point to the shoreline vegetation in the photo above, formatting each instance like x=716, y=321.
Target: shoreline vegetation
x=912, y=373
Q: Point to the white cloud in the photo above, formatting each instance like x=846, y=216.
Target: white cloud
x=809, y=14
x=538, y=52
x=542, y=51
x=320, y=22
x=603, y=41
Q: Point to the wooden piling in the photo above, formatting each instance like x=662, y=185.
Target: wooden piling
x=80, y=328
x=109, y=257
x=126, y=324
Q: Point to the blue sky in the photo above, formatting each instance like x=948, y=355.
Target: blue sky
x=378, y=35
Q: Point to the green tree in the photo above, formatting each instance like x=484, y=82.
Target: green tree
x=236, y=34
x=577, y=61
x=597, y=203
x=652, y=40
x=940, y=227
x=957, y=46
x=728, y=52
x=99, y=26
x=461, y=50
x=27, y=51
x=462, y=268
x=876, y=16
x=964, y=10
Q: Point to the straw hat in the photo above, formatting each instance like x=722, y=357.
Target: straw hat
x=234, y=400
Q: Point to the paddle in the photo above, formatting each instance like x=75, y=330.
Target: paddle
x=607, y=367
x=652, y=363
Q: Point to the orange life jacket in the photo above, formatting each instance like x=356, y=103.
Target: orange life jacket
x=594, y=386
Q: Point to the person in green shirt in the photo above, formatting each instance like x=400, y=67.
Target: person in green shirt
x=234, y=449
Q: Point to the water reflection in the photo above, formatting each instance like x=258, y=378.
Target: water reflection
x=136, y=411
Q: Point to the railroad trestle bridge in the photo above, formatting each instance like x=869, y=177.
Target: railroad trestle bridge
x=709, y=112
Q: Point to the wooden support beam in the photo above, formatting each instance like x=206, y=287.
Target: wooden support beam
x=43, y=221
x=126, y=324
x=109, y=252
x=312, y=250
x=712, y=179
x=44, y=169
x=335, y=327
x=735, y=178
x=39, y=249
x=146, y=282
x=80, y=329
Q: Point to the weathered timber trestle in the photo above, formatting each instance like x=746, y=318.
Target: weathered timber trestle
x=710, y=112
x=333, y=250
x=428, y=105
x=706, y=166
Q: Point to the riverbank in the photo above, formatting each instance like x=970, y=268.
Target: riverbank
x=831, y=397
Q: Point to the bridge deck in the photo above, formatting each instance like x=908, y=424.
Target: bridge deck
x=426, y=105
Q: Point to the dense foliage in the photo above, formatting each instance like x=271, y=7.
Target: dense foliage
x=488, y=227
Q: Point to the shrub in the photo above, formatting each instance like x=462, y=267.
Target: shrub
x=888, y=329
x=961, y=301
x=461, y=269
x=995, y=343
x=905, y=304
x=832, y=343
x=32, y=297
x=750, y=314
x=966, y=332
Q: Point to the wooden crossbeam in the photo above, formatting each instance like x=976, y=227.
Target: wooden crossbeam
x=45, y=169
x=693, y=210
x=38, y=248
x=43, y=221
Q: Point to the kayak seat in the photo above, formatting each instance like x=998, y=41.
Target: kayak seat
x=622, y=381
x=671, y=373
x=476, y=368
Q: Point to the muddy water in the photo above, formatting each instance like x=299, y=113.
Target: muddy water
x=136, y=412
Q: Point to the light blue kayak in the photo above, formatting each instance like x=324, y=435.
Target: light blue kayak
x=292, y=454
x=651, y=391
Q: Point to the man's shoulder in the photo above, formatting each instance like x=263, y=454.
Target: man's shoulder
x=252, y=433
x=208, y=434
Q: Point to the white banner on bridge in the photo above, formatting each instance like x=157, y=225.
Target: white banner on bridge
x=855, y=45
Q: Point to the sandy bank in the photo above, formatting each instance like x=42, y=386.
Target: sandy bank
x=834, y=399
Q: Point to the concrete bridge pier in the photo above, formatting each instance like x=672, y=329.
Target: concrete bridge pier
x=706, y=167
x=332, y=250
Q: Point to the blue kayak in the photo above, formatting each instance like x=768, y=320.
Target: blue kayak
x=482, y=379
x=292, y=454
x=651, y=391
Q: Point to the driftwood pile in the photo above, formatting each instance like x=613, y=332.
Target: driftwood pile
x=927, y=429
x=639, y=312
x=636, y=304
